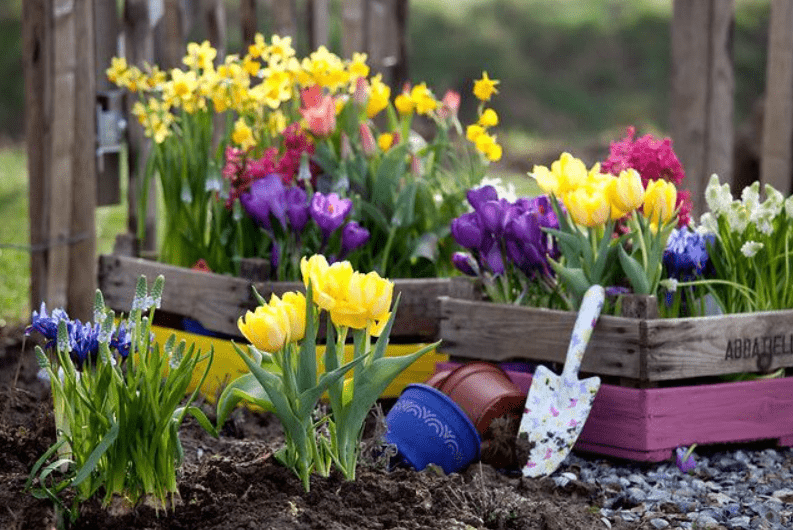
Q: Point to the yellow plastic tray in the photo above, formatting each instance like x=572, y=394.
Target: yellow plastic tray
x=227, y=365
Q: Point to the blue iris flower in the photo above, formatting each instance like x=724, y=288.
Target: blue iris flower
x=47, y=325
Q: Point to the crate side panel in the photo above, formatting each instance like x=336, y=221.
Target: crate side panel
x=721, y=412
x=705, y=346
x=499, y=332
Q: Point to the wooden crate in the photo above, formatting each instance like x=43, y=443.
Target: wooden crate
x=647, y=424
x=217, y=300
x=635, y=351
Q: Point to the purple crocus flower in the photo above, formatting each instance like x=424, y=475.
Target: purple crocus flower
x=686, y=253
x=353, y=236
x=266, y=197
x=467, y=230
x=685, y=459
x=329, y=212
x=477, y=196
x=296, y=208
x=493, y=215
x=465, y=263
x=490, y=253
x=526, y=244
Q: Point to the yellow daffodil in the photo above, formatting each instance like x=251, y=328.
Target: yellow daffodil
x=404, y=103
x=118, y=67
x=243, y=135
x=424, y=100
x=379, y=95
x=489, y=118
x=200, y=56
x=358, y=67
x=280, y=48
x=385, y=141
x=660, y=198
x=484, y=88
x=472, y=132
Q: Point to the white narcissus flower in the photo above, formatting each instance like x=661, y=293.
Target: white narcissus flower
x=751, y=248
x=717, y=196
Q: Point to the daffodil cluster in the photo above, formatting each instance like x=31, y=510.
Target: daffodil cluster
x=753, y=250
x=319, y=123
x=284, y=374
x=594, y=201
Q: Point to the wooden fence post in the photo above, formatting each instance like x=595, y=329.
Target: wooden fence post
x=702, y=92
x=320, y=23
x=36, y=49
x=61, y=152
x=139, y=47
x=353, y=17
x=249, y=22
x=776, y=162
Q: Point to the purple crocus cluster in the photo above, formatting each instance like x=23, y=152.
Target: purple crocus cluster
x=498, y=228
x=268, y=198
x=686, y=254
x=83, y=337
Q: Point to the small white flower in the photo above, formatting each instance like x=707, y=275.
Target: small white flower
x=751, y=248
x=737, y=217
x=670, y=284
x=718, y=197
x=750, y=196
x=789, y=207
x=708, y=224
x=504, y=191
x=774, y=200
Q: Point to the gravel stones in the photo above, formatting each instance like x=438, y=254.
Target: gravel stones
x=745, y=488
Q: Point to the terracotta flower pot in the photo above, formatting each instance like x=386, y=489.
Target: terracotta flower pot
x=437, y=379
x=484, y=392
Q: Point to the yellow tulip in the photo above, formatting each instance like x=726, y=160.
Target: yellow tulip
x=295, y=306
x=565, y=175
x=627, y=192
x=266, y=328
x=660, y=198
x=588, y=206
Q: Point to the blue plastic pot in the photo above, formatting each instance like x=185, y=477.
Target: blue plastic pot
x=427, y=427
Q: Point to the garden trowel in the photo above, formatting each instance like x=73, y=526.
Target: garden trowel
x=557, y=406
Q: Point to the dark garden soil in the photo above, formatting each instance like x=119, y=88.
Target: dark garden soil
x=233, y=482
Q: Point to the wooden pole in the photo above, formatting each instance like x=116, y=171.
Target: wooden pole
x=702, y=86
x=320, y=24
x=249, y=22
x=353, y=19
x=139, y=48
x=383, y=44
x=36, y=49
x=106, y=31
x=776, y=163
x=285, y=19
x=82, y=277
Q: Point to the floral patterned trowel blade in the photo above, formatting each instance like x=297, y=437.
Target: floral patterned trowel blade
x=558, y=406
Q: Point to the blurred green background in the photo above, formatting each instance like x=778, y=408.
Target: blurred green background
x=573, y=76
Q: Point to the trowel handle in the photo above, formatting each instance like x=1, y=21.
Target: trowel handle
x=588, y=314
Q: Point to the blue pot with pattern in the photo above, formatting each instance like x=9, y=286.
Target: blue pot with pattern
x=427, y=427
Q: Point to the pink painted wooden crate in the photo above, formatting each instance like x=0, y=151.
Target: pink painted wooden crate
x=647, y=424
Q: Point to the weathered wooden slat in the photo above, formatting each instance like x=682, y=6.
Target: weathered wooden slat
x=217, y=300
x=679, y=348
x=353, y=17
x=637, y=349
x=776, y=164
x=497, y=332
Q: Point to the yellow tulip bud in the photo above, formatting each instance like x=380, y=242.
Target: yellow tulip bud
x=266, y=328
x=627, y=192
x=660, y=198
x=295, y=306
x=588, y=206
